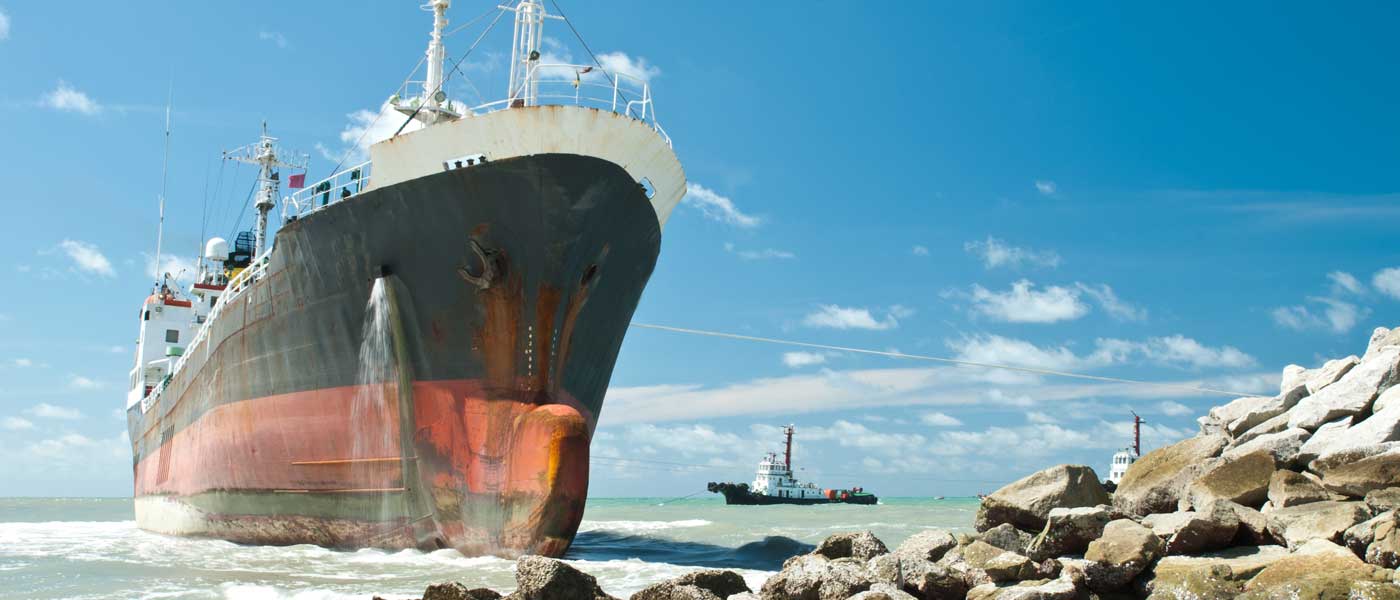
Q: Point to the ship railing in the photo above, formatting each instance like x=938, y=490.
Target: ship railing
x=235, y=288
x=325, y=192
x=564, y=84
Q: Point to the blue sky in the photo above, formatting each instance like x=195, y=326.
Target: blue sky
x=1195, y=193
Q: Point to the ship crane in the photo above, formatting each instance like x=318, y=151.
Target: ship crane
x=267, y=155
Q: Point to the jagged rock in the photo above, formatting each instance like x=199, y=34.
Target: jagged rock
x=1266, y=411
x=540, y=578
x=904, y=569
x=1228, y=413
x=815, y=577
x=1329, y=436
x=1065, y=587
x=1350, y=395
x=1242, y=479
x=1384, y=499
x=1388, y=399
x=1330, y=372
x=1320, y=570
x=930, y=545
x=1359, y=536
x=1069, y=531
x=1380, y=338
x=1326, y=520
x=1358, y=470
x=1120, y=554
x=1215, y=575
x=1254, y=526
x=1190, y=532
x=860, y=545
x=1284, y=445
x=883, y=591
x=697, y=585
x=1274, y=425
x=1384, y=549
x=455, y=591
x=1157, y=481
x=1006, y=537
x=1294, y=376
x=1027, y=502
x=1287, y=488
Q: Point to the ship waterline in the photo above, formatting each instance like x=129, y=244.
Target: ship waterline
x=511, y=284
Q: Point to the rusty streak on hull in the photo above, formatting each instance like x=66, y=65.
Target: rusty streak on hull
x=503, y=367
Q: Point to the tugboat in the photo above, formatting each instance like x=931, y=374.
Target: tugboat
x=1126, y=457
x=774, y=484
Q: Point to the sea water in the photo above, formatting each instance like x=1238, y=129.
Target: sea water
x=91, y=548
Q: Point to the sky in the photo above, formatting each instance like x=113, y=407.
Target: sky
x=1195, y=193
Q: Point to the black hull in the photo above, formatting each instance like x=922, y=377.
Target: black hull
x=739, y=494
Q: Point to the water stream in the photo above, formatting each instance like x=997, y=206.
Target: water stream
x=375, y=407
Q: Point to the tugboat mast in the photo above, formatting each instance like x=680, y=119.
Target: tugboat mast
x=787, y=451
x=264, y=153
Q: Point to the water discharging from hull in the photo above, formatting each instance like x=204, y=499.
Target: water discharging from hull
x=374, y=411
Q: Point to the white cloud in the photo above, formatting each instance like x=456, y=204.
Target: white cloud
x=1173, y=409
x=803, y=359
x=275, y=37
x=366, y=128
x=996, y=253
x=44, y=410
x=1024, y=304
x=73, y=449
x=1345, y=282
x=938, y=419
x=718, y=208
x=1174, y=350
x=179, y=267
x=1045, y=187
x=66, y=98
x=87, y=258
x=22, y=363
x=1039, y=417
x=1111, y=303
x=620, y=62
x=764, y=254
x=117, y=349
x=16, y=423
x=4, y=26
x=1337, y=316
x=920, y=250
x=838, y=317
x=1387, y=281
x=78, y=382
x=1181, y=350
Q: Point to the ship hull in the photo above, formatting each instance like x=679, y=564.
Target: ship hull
x=740, y=494
x=509, y=287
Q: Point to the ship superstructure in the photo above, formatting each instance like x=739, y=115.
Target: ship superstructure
x=418, y=356
x=1126, y=457
x=774, y=483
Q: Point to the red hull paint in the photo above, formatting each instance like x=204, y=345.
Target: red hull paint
x=500, y=476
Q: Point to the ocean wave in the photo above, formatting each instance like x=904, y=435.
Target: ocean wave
x=640, y=526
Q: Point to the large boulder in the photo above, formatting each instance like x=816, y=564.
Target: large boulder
x=1026, y=503
x=697, y=585
x=1229, y=412
x=1284, y=446
x=455, y=591
x=1352, y=394
x=1006, y=537
x=1120, y=554
x=884, y=591
x=1274, y=425
x=861, y=545
x=1296, y=525
x=1287, y=488
x=1358, y=537
x=1321, y=570
x=540, y=578
x=1358, y=470
x=929, y=545
x=1294, y=377
x=1329, y=373
x=1215, y=575
x=1254, y=526
x=1384, y=499
x=998, y=564
x=1388, y=399
x=1380, y=338
x=1157, y=481
x=1328, y=437
x=1069, y=531
x=1065, y=587
x=815, y=577
x=1266, y=411
x=1384, y=549
x=1190, y=532
x=1241, y=479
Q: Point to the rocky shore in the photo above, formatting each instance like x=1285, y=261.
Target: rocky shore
x=1291, y=496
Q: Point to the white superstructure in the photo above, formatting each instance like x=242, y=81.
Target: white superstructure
x=774, y=478
x=1121, y=461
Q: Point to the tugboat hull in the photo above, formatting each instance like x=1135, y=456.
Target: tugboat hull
x=740, y=494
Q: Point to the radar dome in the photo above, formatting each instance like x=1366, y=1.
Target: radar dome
x=216, y=249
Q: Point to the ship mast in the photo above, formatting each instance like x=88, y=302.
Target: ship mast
x=164, y=175
x=787, y=449
x=1137, y=434
x=525, y=51
x=433, y=93
x=265, y=154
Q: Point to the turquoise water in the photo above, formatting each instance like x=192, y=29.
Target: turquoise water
x=91, y=548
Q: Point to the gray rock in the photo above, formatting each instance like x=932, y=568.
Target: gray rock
x=670, y=591
x=1294, y=376
x=1254, y=527
x=1321, y=570
x=1239, y=407
x=1327, y=437
x=1026, y=503
x=860, y=545
x=1124, y=550
x=1006, y=537
x=1384, y=550
x=1297, y=525
x=1352, y=394
x=1274, y=425
x=1329, y=373
x=883, y=591
x=1190, y=532
x=1284, y=445
x=1383, y=499
x=1358, y=537
x=1358, y=470
x=1069, y=531
x=1065, y=587
x=1380, y=427
x=815, y=577
x=1287, y=488
x=456, y=591
x=1387, y=400
x=1266, y=411
x=540, y=578
x=696, y=585
x=929, y=545
x=1240, y=479
x=1211, y=575
x=1380, y=338
x=1158, y=480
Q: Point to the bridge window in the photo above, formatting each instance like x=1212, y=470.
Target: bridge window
x=172, y=336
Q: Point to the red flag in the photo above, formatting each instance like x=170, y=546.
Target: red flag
x=296, y=181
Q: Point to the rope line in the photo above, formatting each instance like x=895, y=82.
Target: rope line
x=951, y=361
x=448, y=75
x=601, y=69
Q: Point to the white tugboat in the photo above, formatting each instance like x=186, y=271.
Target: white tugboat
x=1126, y=457
x=774, y=483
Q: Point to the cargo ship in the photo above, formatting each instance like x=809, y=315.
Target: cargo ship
x=418, y=355
x=774, y=483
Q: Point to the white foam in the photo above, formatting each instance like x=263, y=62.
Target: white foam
x=638, y=526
